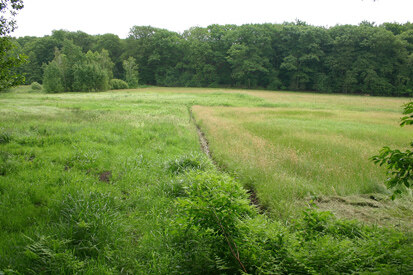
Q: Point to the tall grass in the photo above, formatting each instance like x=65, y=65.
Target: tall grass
x=116, y=183
x=305, y=150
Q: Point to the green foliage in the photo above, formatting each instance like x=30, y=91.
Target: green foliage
x=39, y=51
x=408, y=110
x=131, y=72
x=315, y=224
x=72, y=70
x=214, y=202
x=9, y=9
x=47, y=255
x=118, y=84
x=363, y=59
x=327, y=245
x=85, y=230
x=10, y=60
x=53, y=78
x=236, y=239
x=88, y=221
x=35, y=86
x=89, y=78
x=212, y=207
x=399, y=164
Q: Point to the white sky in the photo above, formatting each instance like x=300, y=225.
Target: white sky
x=40, y=17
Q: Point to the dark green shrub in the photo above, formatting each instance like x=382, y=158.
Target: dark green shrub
x=211, y=209
x=35, y=86
x=118, y=84
x=275, y=84
x=89, y=77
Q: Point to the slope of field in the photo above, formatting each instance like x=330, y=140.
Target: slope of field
x=116, y=183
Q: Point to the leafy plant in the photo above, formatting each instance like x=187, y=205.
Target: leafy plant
x=213, y=206
x=118, y=84
x=10, y=57
x=408, y=111
x=399, y=164
x=36, y=86
x=48, y=256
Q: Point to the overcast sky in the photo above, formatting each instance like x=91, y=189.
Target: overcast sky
x=40, y=17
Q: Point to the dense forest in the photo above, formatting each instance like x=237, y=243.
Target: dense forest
x=365, y=59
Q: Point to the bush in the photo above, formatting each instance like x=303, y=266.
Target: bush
x=212, y=208
x=89, y=77
x=36, y=86
x=218, y=229
x=118, y=84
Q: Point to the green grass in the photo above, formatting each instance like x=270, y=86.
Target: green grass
x=290, y=154
x=56, y=150
x=115, y=182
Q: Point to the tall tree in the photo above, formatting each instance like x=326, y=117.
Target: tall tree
x=73, y=70
x=131, y=72
x=366, y=59
x=115, y=46
x=9, y=9
x=40, y=51
x=10, y=58
x=157, y=51
x=249, y=55
x=199, y=57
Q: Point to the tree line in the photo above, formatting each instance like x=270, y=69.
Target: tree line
x=365, y=59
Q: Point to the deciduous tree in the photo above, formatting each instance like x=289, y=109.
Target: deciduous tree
x=10, y=58
x=131, y=72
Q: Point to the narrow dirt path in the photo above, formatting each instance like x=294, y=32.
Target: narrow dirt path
x=205, y=148
x=202, y=139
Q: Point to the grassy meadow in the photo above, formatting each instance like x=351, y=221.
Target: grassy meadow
x=116, y=182
x=306, y=146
